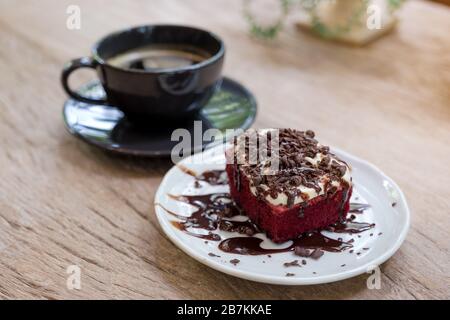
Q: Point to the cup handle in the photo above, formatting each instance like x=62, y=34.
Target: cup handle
x=73, y=65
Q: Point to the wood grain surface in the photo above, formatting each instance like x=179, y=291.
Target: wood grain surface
x=65, y=203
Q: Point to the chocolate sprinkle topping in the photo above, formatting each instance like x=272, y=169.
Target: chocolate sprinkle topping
x=296, y=168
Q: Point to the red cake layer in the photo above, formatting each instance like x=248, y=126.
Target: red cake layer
x=282, y=223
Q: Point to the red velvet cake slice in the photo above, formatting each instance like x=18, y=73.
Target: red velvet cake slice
x=310, y=190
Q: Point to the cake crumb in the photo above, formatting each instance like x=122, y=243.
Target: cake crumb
x=292, y=264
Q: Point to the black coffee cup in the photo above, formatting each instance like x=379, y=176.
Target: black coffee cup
x=153, y=93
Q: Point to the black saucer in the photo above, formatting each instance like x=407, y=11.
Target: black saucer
x=231, y=107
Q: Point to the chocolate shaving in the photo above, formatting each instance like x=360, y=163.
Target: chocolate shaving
x=235, y=261
x=317, y=253
x=310, y=133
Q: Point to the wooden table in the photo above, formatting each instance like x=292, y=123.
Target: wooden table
x=65, y=203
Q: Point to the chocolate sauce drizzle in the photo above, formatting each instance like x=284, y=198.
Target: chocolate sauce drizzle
x=358, y=207
x=215, y=212
x=252, y=245
x=350, y=227
x=237, y=178
x=343, y=202
x=209, y=214
x=243, y=227
x=213, y=177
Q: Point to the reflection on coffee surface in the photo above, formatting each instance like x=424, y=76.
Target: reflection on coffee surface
x=159, y=56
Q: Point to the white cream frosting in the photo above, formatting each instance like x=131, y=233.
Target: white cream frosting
x=282, y=198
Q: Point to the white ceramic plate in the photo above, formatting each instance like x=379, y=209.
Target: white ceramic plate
x=370, y=186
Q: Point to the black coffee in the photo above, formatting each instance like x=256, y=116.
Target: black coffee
x=159, y=56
